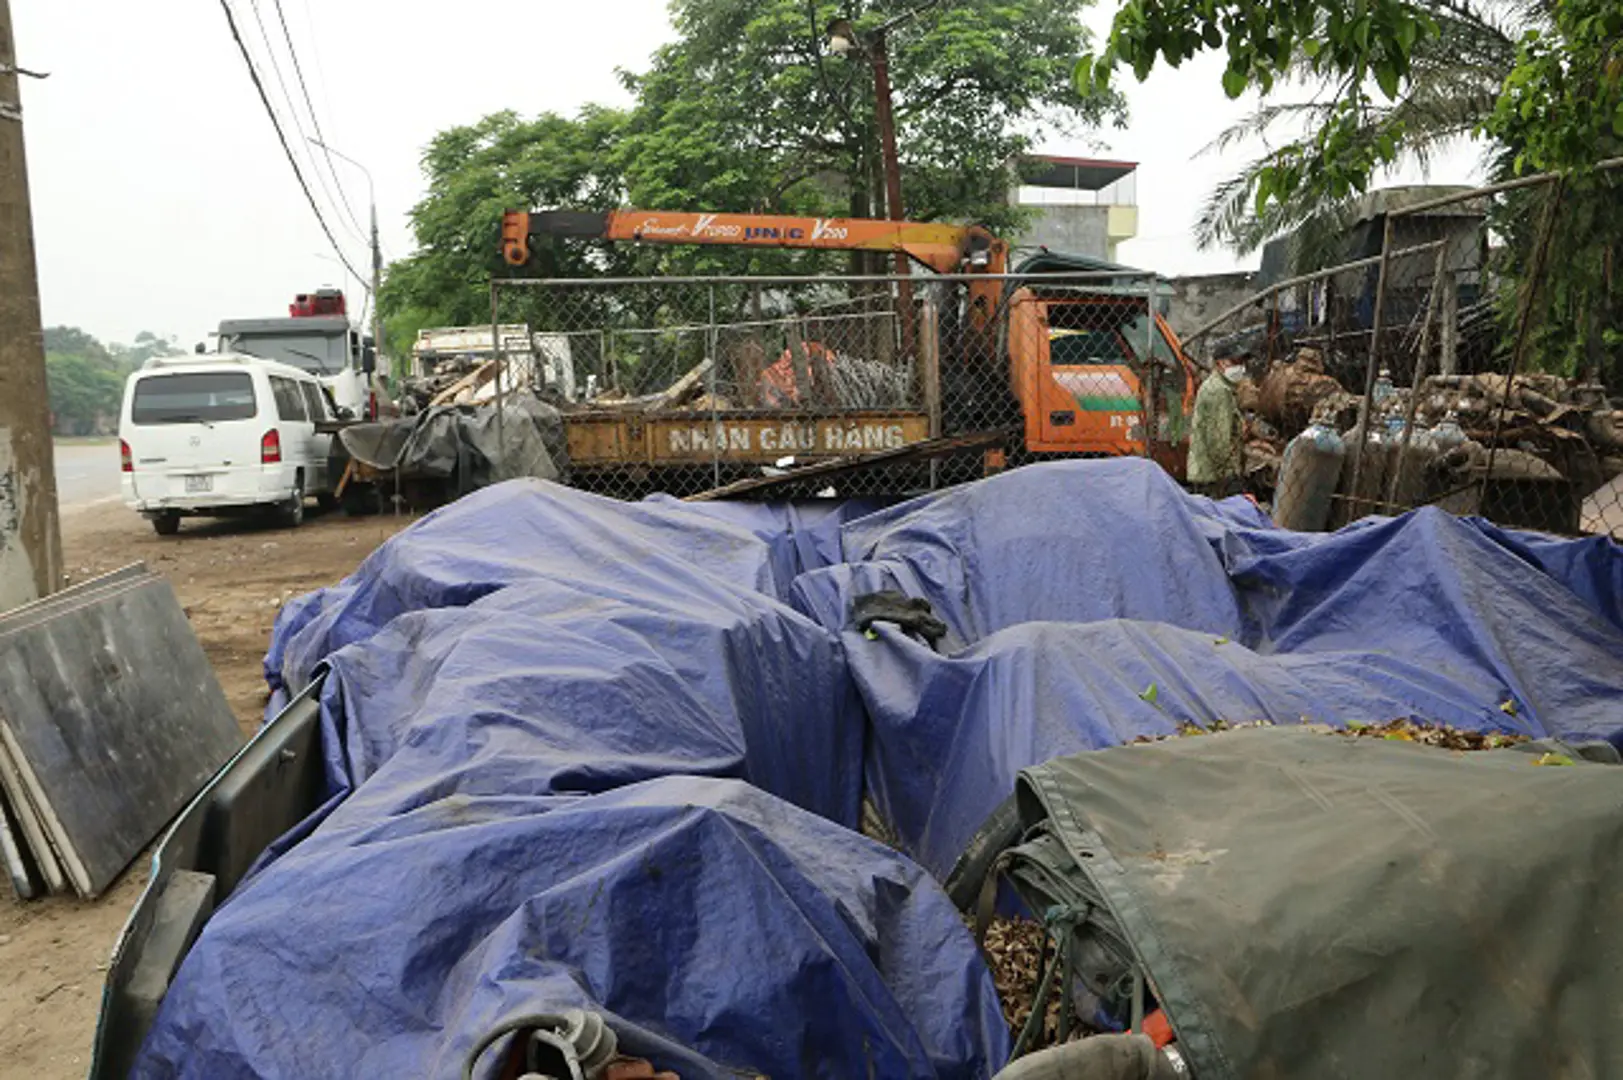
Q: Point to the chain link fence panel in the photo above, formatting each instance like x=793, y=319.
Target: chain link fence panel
x=682, y=385
x=1374, y=387
x=1374, y=390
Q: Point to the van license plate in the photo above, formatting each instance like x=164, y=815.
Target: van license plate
x=199, y=484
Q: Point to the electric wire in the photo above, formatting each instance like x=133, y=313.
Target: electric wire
x=315, y=120
x=264, y=98
x=293, y=110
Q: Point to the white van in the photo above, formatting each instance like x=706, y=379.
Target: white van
x=219, y=434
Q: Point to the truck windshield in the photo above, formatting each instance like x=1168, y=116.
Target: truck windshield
x=319, y=354
x=193, y=397
x=1120, y=345
x=1138, y=331
x=1086, y=348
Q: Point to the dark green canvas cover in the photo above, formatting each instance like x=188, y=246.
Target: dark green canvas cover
x=1306, y=905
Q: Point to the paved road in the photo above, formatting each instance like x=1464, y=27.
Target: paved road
x=86, y=471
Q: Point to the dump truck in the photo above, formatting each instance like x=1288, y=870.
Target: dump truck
x=1074, y=363
x=316, y=336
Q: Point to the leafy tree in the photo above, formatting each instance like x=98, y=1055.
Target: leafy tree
x=747, y=112
x=474, y=173
x=84, y=393
x=1561, y=108
x=146, y=346
x=1562, y=102
x=1394, y=79
x=72, y=341
x=85, y=378
x=1455, y=76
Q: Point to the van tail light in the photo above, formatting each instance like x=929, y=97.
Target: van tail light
x=372, y=405
x=270, y=448
x=125, y=462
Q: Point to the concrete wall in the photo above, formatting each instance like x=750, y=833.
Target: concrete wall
x=1074, y=230
x=1202, y=297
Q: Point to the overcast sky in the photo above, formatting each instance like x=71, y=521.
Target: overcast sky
x=162, y=200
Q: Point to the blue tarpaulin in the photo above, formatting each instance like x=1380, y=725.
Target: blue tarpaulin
x=582, y=752
x=511, y=533
x=1102, y=632
x=722, y=931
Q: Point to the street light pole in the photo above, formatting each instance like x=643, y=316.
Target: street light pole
x=874, y=45
x=880, y=58
x=377, y=250
x=842, y=38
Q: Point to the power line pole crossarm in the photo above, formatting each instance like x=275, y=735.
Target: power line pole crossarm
x=30, y=538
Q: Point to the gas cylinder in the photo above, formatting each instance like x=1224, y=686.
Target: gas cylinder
x=1407, y=458
x=1371, y=477
x=1308, y=477
x=1383, y=390
x=1448, y=434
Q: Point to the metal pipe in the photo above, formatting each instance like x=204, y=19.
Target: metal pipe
x=1524, y=318
x=501, y=362
x=1421, y=363
x=749, y=323
x=710, y=379
x=1303, y=279
x=1330, y=320
x=930, y=366
x=1152, y=376
x=1605, y=165
x=878, y=55
x=1368, y=420
x=1129, y=280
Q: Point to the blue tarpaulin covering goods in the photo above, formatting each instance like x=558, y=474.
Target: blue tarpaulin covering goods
x=590, y=754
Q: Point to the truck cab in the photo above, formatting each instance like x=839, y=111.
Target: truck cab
x=316, y=337
x=1092, y=366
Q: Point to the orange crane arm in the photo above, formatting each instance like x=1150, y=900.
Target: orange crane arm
x=943, y=248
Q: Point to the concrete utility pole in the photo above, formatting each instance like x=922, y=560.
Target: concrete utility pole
x=879, y=56
x=377, y=284
x=874, y=45
x=30, y=540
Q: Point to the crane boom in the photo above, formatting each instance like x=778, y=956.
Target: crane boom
x=941, y=247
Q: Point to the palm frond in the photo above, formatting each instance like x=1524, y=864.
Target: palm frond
x=1230, y=218
x=1454, y=83
x=1262, y=119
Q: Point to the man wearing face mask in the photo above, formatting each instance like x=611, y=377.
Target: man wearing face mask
x=1215, y=437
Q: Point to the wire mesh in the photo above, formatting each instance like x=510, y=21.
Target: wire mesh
x=1392, y=382
x=684, y=384
x=1358, y=393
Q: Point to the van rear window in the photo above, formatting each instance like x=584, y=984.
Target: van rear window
x=191, y=397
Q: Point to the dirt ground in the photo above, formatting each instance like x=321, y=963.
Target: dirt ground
x=231, y=577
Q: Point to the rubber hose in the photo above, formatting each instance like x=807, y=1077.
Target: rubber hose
x=507, y=1027
x=1001, y=830
x=1101, y=1057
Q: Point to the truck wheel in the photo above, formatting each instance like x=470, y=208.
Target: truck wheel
x=166, y=524
x=291, y=513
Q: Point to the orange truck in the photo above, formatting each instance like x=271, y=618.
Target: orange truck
x=1070, y=363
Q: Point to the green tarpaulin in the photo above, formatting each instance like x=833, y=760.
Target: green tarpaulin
x=1308, y=905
